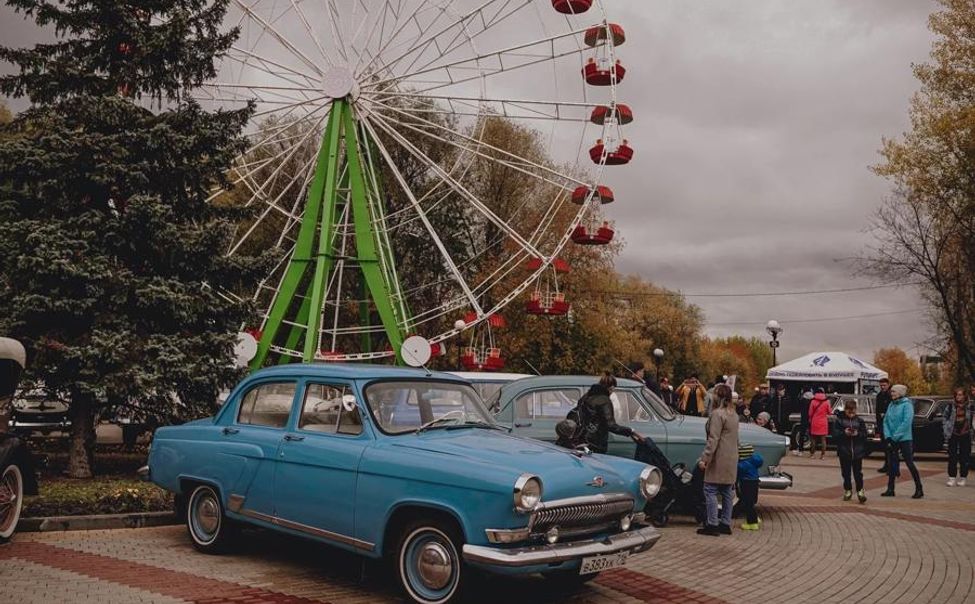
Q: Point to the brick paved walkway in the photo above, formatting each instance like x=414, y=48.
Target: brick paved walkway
x=813, y=548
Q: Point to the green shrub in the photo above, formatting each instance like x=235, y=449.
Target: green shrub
x=67, y=497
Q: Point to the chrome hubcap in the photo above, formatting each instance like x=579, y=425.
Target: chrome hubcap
x=434, y=566
x=207, y=514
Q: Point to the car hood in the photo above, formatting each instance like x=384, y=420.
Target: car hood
x=563, y=474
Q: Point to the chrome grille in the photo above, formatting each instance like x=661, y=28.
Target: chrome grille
x=581, y=513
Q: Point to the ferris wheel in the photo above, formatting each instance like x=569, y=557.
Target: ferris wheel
x=409, y=159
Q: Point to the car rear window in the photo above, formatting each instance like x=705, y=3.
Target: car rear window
x=267, y=405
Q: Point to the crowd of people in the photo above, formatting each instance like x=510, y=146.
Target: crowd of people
x=726, y=462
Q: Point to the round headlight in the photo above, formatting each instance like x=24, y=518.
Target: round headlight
x=650, y=481
x=528, y=493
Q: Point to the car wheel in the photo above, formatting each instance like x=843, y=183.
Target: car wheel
x=209, y=528
x=569, y=579
x=660, y=519
x=428, y=562
x=11, y=500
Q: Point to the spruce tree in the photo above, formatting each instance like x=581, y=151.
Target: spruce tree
x=111, y=258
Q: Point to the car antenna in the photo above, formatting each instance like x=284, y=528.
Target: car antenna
x=628, y=370
x=527, y=362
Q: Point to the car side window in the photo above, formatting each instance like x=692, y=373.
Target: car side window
x=554, y=404
x=523, y=406
x=267, y=405
x=621, y=406
x=331, y=409
x=633, y=410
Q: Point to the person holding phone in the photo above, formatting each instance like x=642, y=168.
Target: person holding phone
x=691, y=397
x=850, y=436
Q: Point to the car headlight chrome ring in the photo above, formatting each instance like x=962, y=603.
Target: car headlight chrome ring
x=527, y=493
x=650, y=481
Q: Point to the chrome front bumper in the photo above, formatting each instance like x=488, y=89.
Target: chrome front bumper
x=777, y=482
x=537, y=555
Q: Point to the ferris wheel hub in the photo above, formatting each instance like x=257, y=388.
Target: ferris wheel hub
x=339, y=83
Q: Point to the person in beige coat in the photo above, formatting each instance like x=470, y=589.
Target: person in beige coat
x=720, y=462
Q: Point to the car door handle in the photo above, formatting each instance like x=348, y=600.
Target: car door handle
x=293, y=437
x=229, y=430
x=528, y=425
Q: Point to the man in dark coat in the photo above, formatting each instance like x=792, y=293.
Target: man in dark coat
x=760, y=402
x=880, y=407
x=595, y=416
x=779, y=407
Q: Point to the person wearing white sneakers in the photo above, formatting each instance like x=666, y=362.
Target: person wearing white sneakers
x=958, y=433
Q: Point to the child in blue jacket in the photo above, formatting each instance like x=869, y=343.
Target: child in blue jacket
x=748, y=464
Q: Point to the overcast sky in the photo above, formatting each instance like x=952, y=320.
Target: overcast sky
x=756, y=123
x=758, y=120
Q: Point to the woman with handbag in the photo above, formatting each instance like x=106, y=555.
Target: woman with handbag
x=818, y=422
x=720, y=462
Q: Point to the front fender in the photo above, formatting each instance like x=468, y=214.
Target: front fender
x=478, y=498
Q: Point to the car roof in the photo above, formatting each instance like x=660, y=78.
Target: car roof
x=352, y=371
x=543, y=381
x=480, y=376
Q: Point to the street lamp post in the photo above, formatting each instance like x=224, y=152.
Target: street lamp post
x=774, y=329
x=658, y=354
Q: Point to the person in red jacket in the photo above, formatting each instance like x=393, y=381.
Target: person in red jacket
x=819, y=411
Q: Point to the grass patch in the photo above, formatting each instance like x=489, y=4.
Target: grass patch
x=99, y=495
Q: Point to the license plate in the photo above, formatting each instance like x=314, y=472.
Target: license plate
x=596, y=564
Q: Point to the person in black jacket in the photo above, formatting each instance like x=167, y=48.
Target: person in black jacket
x=883, y=401
x=850, y=436
x=595, y=416
x=779, y=407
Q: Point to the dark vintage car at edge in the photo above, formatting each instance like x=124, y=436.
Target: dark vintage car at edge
x=403, y=465
x=17, y=468
x=929, y=418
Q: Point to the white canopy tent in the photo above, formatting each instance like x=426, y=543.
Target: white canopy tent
x=828, y=367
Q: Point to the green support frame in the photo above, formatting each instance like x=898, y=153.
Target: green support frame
x=340, y=178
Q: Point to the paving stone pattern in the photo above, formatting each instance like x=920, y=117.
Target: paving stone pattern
x=813, y=547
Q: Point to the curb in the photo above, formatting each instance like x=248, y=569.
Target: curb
x=96, y=522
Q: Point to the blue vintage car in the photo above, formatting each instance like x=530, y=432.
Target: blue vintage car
x=401, y=464
x=534, y=405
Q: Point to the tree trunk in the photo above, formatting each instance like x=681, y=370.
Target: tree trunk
x=81, y=450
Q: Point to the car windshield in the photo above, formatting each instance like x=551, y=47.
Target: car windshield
x=407, y=406
x=659, y=406
x=922, y=406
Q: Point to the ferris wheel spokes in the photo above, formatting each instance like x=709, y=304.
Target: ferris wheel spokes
x=511, y=159
x=462, y=25
x=458, y=187
x=481, y=106
x=497, y=56
x=448, y=260
x=283, y=40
